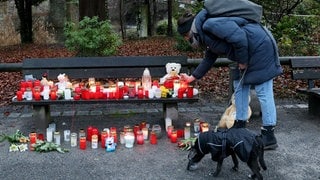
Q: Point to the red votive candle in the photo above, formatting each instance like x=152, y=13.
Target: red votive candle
x=77, y=90
x=89, y=133
x=19, y=95
x=37, y=96
x=103, y=135
x=76, y=96
x=190, y=91
x=140, y=139
x=153, y=137
x=169, y=131
x=53, y=95
x=40, y=137
x=36, y=83
x=113, y=133
x=174, y=136
x=180, y=93
x=180, y=133
x=29, y=84
x=82, y=143
x=140, y=92
x=23, y=84
x=143, y=124
x=136, y=128
x=33, y=140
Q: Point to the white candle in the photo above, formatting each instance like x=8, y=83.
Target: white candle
x=145, y=133
x=66, y=135
x=129, y=140
x=49, y=134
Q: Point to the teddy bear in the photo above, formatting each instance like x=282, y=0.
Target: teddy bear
x=173, y=70
x=62, y=81
x=229, y=116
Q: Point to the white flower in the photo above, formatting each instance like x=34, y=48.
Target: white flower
x=13, y=148
x=23, y=147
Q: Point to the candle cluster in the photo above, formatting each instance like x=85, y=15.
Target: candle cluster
x=45, y=89
x=107, y=138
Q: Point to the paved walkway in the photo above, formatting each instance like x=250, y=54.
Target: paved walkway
x=297, y=157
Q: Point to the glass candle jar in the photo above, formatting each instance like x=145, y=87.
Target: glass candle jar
x=187, y=130
x=57, y=137
x=104, y=135
x=190, y=91
x=140, y=139
x=94, y=141
x=131, y=91
x=145, y=133
x=196, y=125
x=83, y=143
x=122, y=134
x=28, y=94
x=129, y=139
x=89, y=133
x=169, y=131
x=73, y=140
x=153, y=137
x=49, y=134
x=66, y=135
x=113, y=133
x=19, y=95
x=156, y=128
x=33, y=140
x=174, y=136
x=82, y=133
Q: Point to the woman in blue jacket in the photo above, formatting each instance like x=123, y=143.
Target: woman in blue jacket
x=253, y=48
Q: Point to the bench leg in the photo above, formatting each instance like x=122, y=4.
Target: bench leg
x=41, y=114
x=170, y=110
x=314, y=104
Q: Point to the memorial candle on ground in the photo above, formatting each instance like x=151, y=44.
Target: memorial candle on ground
x=83, y=143
x=173, y=136
x=140, y=139
x=153, y=137
x=33, y=140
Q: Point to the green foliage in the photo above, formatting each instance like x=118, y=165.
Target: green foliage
x=91, y=37
x=162, y=28
x=182, y=44
x=295, y=35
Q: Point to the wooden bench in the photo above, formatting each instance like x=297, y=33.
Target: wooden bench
x=308, y=69
x=101, y=67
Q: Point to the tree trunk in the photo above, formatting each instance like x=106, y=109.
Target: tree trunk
x=92, y=8
x=169, y=30
x=57, y=16
x=121, y=17
x=24, y=8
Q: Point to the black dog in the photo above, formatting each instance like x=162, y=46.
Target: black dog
x=235, y=142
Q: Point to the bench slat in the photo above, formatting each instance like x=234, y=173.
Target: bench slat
x=106, y=101
x=305, y=63
x=306, y=74
x=94, y=62
x=132, y=72
x=101, y=67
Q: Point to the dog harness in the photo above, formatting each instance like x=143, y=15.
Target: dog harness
x=239, y=139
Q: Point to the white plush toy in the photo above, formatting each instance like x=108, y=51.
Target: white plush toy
x=173, y=70
x=63, y=79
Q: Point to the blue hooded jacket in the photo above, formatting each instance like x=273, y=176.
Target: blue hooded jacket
x=242, y=41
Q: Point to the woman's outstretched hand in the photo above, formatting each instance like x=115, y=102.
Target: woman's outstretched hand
x=187, y=78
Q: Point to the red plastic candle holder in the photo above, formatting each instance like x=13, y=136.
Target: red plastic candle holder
x=174, y=136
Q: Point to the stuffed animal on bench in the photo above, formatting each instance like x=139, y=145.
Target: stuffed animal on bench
x=173, y=70
x=229, y=116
